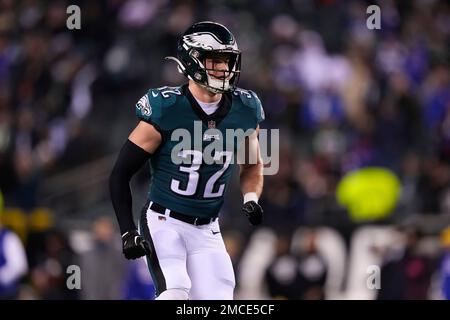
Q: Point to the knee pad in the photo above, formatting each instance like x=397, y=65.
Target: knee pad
x=173, y=294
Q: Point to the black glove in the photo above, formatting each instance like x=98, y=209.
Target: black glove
x=253, y=211
x=134, y=246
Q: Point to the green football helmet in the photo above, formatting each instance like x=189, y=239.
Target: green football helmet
x=208, y=40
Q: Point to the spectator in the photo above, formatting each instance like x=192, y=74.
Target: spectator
x=282, y=276
x=445, y=266
x=138, y=283
x=313, y=269
x=48, y=277
x=406, y=274
x=102, y=267
x=13, y=263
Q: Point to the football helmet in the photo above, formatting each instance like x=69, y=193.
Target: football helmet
x=209, y=40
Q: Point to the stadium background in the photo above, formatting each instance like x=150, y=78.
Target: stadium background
x=344, y=98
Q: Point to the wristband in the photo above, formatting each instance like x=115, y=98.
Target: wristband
x=250, y=196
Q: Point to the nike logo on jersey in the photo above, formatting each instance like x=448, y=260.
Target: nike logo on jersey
x=154, y=94
x=215, y=232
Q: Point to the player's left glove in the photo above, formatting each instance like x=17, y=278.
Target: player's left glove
x=253, y=211
x=134, y=246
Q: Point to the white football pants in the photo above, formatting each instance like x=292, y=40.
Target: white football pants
x=187, y=257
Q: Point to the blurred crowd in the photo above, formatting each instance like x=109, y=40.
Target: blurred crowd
x=343, y=96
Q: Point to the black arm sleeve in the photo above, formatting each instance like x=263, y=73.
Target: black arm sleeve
x=131, y=158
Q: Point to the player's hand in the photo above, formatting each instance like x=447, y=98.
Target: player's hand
x=253, y=211
x=134, y=246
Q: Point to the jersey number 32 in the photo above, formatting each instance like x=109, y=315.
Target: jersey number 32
x=194, y=175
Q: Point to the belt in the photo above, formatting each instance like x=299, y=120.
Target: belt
x=196, y=221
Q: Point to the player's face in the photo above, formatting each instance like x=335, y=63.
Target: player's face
x=218, y=67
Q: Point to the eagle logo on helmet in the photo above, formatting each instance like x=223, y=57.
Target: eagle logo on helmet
x=207, y=41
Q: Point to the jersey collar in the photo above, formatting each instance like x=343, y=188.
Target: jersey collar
x=218, y=115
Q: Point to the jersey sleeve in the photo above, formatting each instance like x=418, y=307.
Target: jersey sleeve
x=255, y=113
x=260, y=116
x=156, y=103
x=148, y=108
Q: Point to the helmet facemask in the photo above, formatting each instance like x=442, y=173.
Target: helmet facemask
x=222, y=70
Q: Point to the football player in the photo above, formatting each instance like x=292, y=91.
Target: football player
x=179, y=229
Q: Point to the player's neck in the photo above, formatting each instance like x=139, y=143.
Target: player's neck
x=203, y=94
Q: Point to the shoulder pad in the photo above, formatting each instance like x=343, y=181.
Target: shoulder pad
x=151, y=106
x=250, y=99
x=164, y=96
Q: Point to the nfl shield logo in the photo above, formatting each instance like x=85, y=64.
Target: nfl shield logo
x=211, y=124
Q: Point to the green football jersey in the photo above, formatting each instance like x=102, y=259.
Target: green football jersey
x=181, y=177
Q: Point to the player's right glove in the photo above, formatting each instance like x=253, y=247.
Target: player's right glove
x=253, y=211
x=134, y=246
